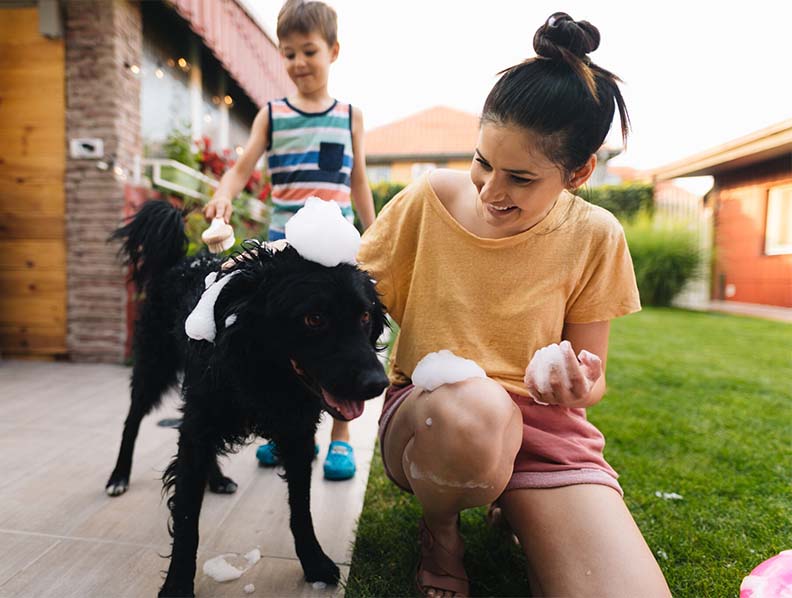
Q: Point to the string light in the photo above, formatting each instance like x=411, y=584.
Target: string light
x=239, y=150
x=159, y=73
x=229, y=101
x=216, y=100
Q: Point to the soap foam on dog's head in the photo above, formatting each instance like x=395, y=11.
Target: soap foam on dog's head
x=320, y=233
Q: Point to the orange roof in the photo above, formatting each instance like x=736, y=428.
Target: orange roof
x=629, y=174
x=438, y=132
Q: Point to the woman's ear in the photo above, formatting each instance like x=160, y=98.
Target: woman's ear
x=582, y=174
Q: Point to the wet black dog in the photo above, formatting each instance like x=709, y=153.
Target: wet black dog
x=293, y=337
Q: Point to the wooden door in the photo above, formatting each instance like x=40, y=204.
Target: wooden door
x=32, y=201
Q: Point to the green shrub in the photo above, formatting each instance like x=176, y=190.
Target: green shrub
x=625, y=201
x=382, y=193
x=665, y=257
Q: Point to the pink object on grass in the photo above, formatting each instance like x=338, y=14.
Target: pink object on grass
x=771, y=579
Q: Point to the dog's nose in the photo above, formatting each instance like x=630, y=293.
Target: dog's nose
x=373, y=382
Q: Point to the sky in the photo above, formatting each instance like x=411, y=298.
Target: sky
x=696, y=74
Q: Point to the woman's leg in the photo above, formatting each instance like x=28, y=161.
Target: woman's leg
x=582, y=541
x=455, y=448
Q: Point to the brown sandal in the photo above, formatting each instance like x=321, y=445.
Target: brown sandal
x=439, y=568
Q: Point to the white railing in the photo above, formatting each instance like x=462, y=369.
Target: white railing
x=257, y=210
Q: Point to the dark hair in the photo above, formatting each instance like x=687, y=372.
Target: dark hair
x=560, y=94
x=306, y=17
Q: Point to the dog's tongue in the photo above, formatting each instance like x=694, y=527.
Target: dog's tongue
x=349, y=410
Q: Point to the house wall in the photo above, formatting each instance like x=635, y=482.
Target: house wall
x=742, y=272
x=402, y=171
x=32, y=205
x=103, y=39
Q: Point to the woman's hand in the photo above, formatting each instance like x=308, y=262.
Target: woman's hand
x=556, y=376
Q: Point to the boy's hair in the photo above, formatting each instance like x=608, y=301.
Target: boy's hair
x=299, y=16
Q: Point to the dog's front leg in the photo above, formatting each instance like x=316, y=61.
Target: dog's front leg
x=297, y=454
x=188, y=473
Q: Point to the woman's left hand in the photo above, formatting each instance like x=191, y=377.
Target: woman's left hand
x=556, y=376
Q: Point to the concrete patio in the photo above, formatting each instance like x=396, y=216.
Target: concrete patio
x=62, y=536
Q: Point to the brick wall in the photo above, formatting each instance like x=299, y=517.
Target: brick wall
x=102, y=100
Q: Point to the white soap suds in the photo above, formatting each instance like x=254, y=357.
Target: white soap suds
x=549, y=359
x=249, y=589
x=668, y=495
x=417, y=474
x=320, y=233
x=319, y=585
x=443, y=367
x=230, y=566
x=220, y=569
x=200, y=324
x=253, y=557
x=429, y=421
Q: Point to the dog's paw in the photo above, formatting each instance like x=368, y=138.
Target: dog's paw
x=223, y=485
x=322, y=569
x=116, y=485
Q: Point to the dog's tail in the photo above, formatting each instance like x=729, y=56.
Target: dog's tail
x=153, y=240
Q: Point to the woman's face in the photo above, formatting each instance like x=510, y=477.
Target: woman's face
x=517, y=185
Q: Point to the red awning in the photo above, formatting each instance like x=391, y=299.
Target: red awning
x=247, y=53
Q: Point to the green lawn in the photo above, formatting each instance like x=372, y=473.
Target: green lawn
x=698, y=404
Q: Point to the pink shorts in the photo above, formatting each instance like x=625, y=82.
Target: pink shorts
x=560, y=446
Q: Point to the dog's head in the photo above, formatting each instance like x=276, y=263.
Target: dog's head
x=318, y=324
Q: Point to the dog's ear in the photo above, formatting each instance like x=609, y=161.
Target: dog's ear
x=379, y=321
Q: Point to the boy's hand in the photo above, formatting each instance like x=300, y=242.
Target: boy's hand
x=556, y=376
x=219, y=207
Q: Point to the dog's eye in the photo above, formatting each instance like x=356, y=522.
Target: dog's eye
x=313, y=321
x=365, y=318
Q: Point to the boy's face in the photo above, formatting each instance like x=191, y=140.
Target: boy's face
x=307, y=58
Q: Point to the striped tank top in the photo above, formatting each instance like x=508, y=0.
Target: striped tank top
x=308, y=154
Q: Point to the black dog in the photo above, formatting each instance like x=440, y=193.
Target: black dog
x=293, y=337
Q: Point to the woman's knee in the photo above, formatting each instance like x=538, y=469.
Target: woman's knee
x=476, y=407
x=473, y=417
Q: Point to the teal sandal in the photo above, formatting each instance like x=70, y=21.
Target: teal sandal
x=267, y=454
x=340, y=461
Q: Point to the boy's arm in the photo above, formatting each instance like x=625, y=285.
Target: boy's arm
x=361, y=192
x=234, y=180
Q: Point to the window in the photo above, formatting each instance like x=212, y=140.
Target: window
x=778, y=226
x=378, y=174
x=419, y=168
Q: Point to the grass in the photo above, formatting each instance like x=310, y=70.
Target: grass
x=698, y=404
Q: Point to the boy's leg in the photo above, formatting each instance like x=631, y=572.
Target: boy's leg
x=340, y=461
x=582, y=541
x=455, y=448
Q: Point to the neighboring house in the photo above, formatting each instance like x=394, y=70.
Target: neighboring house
x=751, y=203
x=84, y=87
x=438, y=137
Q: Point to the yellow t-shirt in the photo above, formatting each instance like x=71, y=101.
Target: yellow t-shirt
x=495, y=301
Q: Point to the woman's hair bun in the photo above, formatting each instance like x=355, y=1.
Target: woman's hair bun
x=561, y=34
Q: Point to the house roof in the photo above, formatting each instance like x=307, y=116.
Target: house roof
x=767, y=143
x=240, y=44
x=437, y=133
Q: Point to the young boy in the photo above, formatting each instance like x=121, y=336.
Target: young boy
x=314, y=147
